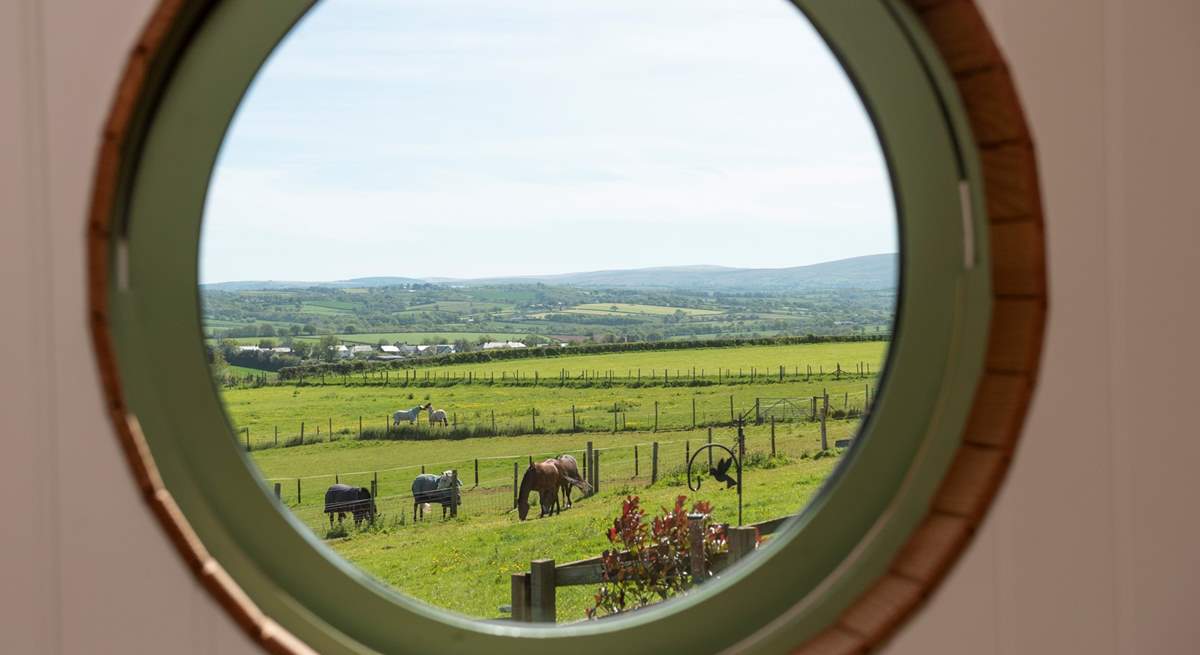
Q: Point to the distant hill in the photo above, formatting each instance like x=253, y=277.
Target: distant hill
x=270, y=285
x=866, y=272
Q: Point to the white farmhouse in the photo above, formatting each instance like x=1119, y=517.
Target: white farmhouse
x=390, y=350
x=493, y=345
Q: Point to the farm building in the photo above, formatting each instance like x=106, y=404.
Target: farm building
x=437, y=349
x=390, y=350
x=497, y=345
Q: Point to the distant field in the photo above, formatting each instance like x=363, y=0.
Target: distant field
x=626, y=308
x=242, y=371
x=461, y=306
x=328, y=308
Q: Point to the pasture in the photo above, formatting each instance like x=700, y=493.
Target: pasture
x=464, y=564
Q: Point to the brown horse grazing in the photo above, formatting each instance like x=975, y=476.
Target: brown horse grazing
x=568, y=469
x=543, y=477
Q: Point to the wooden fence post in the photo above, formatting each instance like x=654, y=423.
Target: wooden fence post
x=297, y=491
x=696, y=548
x=276, y=435
x=301, y=433
x=710, y=461
x=635, y=460
x=278, y=491
x=454, y=498
x=493, y=422
x=331, y=428
x=742, y=541
x=757, y=411
x=516, y=466
x=247, y=439
x=520, y=597
x=587, y=465
x=656, y=416
x=824, y=412
x=687, y=452
x=541, y=591
x=772, y=436
x=596, y=471
x=360, y=427
x=476, y=471
x=693, y=412
x=533, y=417
x=654, y=463
x=614, y=418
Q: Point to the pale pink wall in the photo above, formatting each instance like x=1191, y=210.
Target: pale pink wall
x=1093, y=546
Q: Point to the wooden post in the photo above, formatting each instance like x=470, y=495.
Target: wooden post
x=476, y=471
x=337, y=479
x=520, y=597
x=742, y=542
x=696, y=548
x=516, y=466
x=596, y=471
x=656, y=416
x=533, y=417
x=757, y=412
x=814, y=408
x=276, y=435
x=278, y=491
x=587, y=466
x=654, y=463
x=824, y=412
x=710, y=461
x=454, y=499
x=297, y=491
x=635, y=460
x=493, y=422
x=247, y=439
x=687, y=451
x=731, y=419
x=301, y=433
x=360, y=426
x=541, y=591
x=772, y=436
x=331, y=428
x=614, y=418
x=693, y=412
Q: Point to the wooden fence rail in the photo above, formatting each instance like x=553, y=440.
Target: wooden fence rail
x=533, y=592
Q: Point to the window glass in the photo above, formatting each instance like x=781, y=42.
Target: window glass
x=460, y=258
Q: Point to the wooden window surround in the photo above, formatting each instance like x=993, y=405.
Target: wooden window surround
x=1014, y=346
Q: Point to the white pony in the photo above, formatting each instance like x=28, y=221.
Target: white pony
x=436, y=415
x=409, y=415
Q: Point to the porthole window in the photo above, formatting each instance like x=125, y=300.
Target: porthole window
x=377, y=285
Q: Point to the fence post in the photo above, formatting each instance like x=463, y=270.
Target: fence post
x=331, y=428
x=654, y=463
x=710, y=462
x=614, y=418
x=687, y=452
x=337, y=479
x=757, y=411
x=301, y=433
x=297, y=491
x=247, y=439
x=696, y=548
x=276, y=435
x=814, y=408
x=587, y=465
x=477, y=472
x=731, y=419
x=656, y=416
x=520, y=597
x=278, y=491
x=493, y=422
x=454, y=499
x=772, y=436
x=516, y=466
x=742, y=542
x=533, y=417
x=635, y=460
x=693, y=412
x=360, y=427
x=596, y=471
x=541, y=591
x=824, y=412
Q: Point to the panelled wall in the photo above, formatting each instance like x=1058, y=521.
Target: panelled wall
x=1092, y=547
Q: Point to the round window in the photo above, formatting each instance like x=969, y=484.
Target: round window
x=283, y=430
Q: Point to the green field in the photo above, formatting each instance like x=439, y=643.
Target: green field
x=464, y=564
x=630, y=308
x=487, y=543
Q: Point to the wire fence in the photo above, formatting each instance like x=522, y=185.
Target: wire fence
x=642, y=415
x=565, y=377
x=489, y=484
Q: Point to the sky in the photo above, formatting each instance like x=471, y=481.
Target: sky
x=478, y=138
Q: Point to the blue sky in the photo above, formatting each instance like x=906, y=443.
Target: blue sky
x=470, y=138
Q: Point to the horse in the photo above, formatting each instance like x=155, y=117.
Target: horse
x=544, y=477
x=436, y=415
x=341, y=499
x=428, y=489
x=568, y=468
x=409, y=415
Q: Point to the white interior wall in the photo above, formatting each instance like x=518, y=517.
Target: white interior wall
x=1092, y=546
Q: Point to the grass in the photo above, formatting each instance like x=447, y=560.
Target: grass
x=464, y=564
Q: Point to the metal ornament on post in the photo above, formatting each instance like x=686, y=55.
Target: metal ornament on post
x=719, y=472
